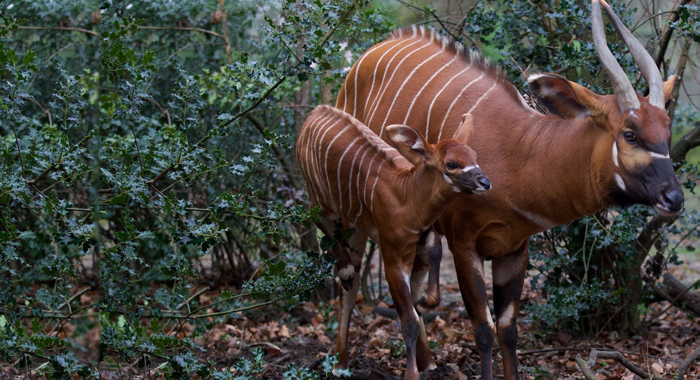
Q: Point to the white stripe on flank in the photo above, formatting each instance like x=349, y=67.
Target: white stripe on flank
x=309, y=162
x=359, y=173
x=382, y=88
x=325, y=164
x=330, y=125
x=357, y=70
x=369, y=172
x=482, y=97
x=371, y=198
x=430, y=109
x=352, y=168
x=376, y=67
x=322, y=124
x=340, y=165
x=657, y=155
x=397, y=94
x=378, y=99
x=458, y=97
x=408, y=113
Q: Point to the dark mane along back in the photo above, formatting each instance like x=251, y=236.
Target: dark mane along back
x=469, y=56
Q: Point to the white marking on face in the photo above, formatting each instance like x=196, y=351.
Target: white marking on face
x=657, y=155
x=507, y=315
x=663, y=210
x=456, y=189
x=468, y=168
x=614, y=154
x=415, y=232
x=535, y=218
x=620, y=182
x=447, y=179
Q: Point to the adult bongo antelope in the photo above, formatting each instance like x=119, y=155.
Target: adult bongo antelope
x=391, y=195
x=592, y=152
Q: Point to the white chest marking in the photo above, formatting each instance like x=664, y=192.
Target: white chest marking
x=447, y=179
x=620, y=182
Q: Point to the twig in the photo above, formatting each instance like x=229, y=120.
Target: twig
x=182, y=28
x=42, y=175
x=191, y=298
x=595, y=355
x=19, y=151
x=674, y=301
x=687, y=362
x=60, y=28
x=45, y=111
x=584, y=368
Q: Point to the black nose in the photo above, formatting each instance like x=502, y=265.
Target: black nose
x=672, y=199
x=485, y=183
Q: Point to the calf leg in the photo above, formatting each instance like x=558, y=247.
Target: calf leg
x=428, y=257
x=508, y=278
x=348, y=296
x=398, y=266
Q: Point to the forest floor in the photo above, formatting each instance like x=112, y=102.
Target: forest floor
x=304, y=336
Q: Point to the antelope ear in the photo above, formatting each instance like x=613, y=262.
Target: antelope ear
x=565, y=98
x=409, y=142
x=668, y=87
x=466, y=129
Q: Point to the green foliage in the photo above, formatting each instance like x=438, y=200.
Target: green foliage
x=145, y=155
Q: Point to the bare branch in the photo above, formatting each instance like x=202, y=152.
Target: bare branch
x=686, y=364
x=584, y=368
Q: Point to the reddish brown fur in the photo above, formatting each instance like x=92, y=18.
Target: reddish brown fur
x=394, y=203
x=546, y=170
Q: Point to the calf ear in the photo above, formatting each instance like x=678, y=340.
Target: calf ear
x=409, y=142
x=565, y=98
x=466, y=129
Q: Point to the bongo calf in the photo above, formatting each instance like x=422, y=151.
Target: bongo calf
x=391, y=195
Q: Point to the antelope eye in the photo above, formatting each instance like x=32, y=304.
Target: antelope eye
x=452, y=166
x=630, y=137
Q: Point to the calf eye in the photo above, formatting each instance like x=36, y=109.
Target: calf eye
x=630, y=137
x=452, y=166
